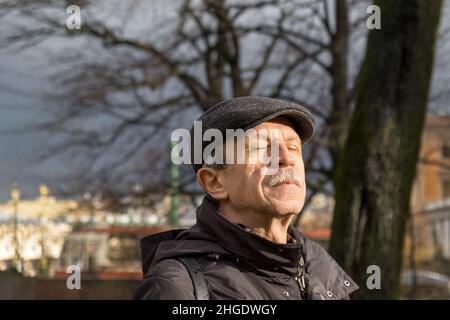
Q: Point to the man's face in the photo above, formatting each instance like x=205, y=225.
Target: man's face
x=280, y=194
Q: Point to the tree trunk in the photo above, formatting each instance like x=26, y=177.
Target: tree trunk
x=378, y=163
x=339, y=116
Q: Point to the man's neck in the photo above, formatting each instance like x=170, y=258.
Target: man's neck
x=261, y=223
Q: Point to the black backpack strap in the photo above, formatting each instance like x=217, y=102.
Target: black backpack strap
x=197, y=277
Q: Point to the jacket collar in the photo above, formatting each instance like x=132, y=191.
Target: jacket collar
x=250, y=247
x=323, y=275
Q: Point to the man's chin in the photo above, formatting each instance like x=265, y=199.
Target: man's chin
x=287, y=193
x=284, y=207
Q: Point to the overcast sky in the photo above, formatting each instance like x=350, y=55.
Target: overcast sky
x=22, y=83
x=20, y=107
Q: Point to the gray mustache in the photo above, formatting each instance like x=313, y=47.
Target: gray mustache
x=283, y=176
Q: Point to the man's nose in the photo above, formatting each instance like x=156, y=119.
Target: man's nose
x=286, y=158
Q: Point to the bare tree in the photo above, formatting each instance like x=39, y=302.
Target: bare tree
x=119, y=90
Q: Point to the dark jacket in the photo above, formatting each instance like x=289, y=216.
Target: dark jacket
x=238, y=264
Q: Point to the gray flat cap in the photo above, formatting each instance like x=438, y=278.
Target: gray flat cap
x=248, y=112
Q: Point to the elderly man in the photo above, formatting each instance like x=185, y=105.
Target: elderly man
x=242, y=246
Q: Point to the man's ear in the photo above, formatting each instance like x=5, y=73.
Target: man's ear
x=211, y=182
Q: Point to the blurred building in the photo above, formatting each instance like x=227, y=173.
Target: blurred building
x=45, y=235
x=32, y=232
x=104, y=253
x=111, y=250
x=430, y=199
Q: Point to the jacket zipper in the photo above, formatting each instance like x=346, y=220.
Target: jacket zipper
x=301, y=278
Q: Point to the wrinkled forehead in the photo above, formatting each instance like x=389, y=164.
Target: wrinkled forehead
x=279, y=127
